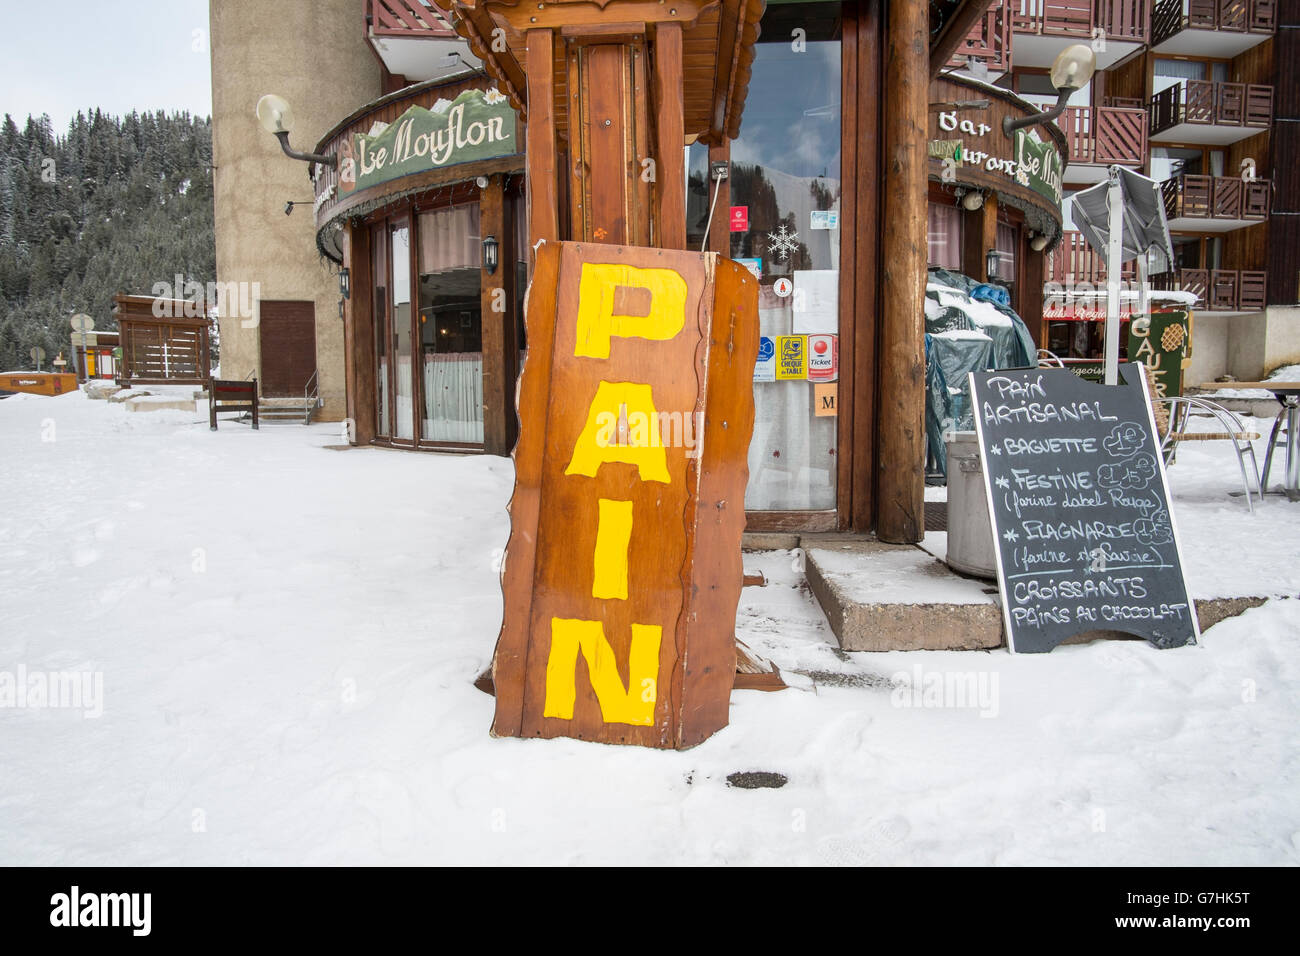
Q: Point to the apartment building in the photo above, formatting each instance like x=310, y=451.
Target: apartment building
x=1203, y=96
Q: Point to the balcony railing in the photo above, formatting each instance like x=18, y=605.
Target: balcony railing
x=1104, y=135
x=406, y=18
x=1218, y=290
x=1120, y=19
x=1073, y=261
x=1203, y=103
x=989, y=40
x=1170, y=17
x=1215, y=197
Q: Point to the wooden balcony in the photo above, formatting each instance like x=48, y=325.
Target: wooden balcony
x=413, y=40
x=1074, y=262
x=1098, y=136
x=1041, y=26
x=406, y=18
x=1218, y=290
x=989, y=41
x=1214, y=203
x=1216, y=114
x=1211, y=28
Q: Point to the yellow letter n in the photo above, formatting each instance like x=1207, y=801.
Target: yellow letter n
x=633, y=704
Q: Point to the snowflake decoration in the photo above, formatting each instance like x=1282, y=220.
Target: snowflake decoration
x=781, y=243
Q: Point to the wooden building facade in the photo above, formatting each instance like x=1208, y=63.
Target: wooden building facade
x=817, y=112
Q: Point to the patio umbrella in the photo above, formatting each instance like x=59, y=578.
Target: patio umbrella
x=1122, y=219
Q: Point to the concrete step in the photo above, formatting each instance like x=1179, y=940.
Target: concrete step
x=886, y=597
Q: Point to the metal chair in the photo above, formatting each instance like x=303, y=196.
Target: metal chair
x=1171, y=416
x=1049, y=359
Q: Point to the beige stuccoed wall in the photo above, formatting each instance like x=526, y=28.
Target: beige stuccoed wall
x=314, y=54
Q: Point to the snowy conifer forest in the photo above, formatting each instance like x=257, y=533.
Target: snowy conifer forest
x=111, y=204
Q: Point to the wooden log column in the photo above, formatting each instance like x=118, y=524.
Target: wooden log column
x=670, y=219
x=900, y=509
x=361, y=334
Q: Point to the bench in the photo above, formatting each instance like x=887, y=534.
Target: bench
x=231, y=396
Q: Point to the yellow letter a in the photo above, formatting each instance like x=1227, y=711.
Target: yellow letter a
x=620, y=401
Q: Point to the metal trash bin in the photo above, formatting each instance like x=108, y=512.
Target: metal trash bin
x=970, y=533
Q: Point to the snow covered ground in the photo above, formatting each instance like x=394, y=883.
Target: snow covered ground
x=287, y=634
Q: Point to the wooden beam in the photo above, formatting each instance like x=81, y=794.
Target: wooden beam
x=498, y=387
x=670, y=171
x=543, y=210
x=900, y=465
x=720, y=229
x=956, y=28
x=361, y=328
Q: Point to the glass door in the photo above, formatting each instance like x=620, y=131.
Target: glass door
x=403, y=386
x=383, y=391
x=451, y=326
x=785, y=197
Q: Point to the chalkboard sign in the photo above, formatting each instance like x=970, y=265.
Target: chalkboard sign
x=1084, y=534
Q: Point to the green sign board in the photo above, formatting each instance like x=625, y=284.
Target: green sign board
x=1163, y=344
x=1039, y=167
x=478, y=124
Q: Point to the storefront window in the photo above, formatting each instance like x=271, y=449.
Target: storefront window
x=945, y=236
x=451, y=325
x=785, y=182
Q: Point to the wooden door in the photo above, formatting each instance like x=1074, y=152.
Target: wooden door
x=287, y=331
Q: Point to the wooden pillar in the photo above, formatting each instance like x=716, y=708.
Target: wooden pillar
x=1031, y=293
x=979, y=235
x=543, y=204
x=360, y=311
x=900, y=509
x=670, y=172
x=345, y=307
x=720, y=229
x=498, y=383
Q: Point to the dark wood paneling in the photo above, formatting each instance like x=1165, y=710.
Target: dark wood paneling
x=859, y=436
x=287, y=334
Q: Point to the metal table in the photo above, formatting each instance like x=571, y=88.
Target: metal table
x=1288, y=393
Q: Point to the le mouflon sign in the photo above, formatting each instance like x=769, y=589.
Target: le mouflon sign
x=1082, y=525
x=623, y=572
x=478, y=124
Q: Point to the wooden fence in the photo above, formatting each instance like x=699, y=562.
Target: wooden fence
x=170, y=348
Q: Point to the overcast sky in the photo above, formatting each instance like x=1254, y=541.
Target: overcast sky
x=124, y=55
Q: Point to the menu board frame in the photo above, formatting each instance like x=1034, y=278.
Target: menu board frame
x=1122, y=398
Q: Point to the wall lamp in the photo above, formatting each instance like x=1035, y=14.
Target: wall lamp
x=288, y=206
x=1071, y=71
x=970, y=199
x=276, y=117
x=1037, y=241
x=345, y=283
x=491, y=250
x=991, y=263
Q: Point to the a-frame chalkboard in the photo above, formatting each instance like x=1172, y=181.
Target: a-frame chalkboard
x=1079, y=502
